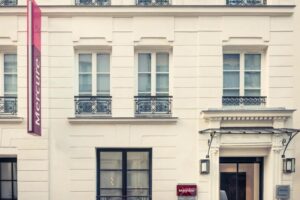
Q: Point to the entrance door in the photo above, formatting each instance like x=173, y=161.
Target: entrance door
x=241, y=178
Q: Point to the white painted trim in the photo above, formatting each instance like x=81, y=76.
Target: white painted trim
x=118, y=120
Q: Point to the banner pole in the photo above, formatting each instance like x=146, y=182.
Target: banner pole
x=29, y=66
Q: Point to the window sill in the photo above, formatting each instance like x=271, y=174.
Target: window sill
x=10, y=119
x=124, y=120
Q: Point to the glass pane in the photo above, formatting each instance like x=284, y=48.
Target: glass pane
x=252, y=61
x=15, y=192
x=162, y=83
x=253, y=93
x=144, y=62
x=6, y=171
x=14, y=171
x=111, y=160
x=231, y=92
x=138, y=192
x=137, y=179
x=162, y=62
x=10, y=83
x=251, y=172
x=85, y=63
x=228, y=180
x=231, y=61
x=137, y=160
x=230, y=167
x=85, y=83
x=6, y=189
x=111, y=179
x=145, y=83
x=252, y=80
x=103, y=63
x=103, y=83
x=114, y=192
x=10, y=63
x=231, y=80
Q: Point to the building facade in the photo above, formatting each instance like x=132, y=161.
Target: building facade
x=137, y=93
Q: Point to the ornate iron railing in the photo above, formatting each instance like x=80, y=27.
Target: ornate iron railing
x=93, y=105
x=8, y=105
x=153, y=105
x=153, y=2
x=92, y=2
x=246, y=2
x=8, y=2
x=244, y=101
x=123, y=198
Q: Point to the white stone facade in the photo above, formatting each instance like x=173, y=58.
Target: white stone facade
x=61, y=164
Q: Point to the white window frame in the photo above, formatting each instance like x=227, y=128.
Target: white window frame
x=153, y=69
x=2, y=54
x=242, y=71
x=94, y=71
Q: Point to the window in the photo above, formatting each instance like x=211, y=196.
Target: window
x=92, y=2
x=8, y=91
x=242, y=74
x=8, y=179
x=8, y=2
x=246, y=2
x=124, y=174
x=153, y=2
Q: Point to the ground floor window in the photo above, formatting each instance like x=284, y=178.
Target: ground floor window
x=124, y=174
x=8, y=179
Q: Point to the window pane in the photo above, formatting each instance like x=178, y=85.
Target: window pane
x=6, y=171
x=137, y=179
x=137, y=160
x=6, y=189
x=252, y=80
x=14, y=171
x=10, y=83
x=231, y=80
x=10, y=63
x=103, y=63
x=85, y=83
x=111, y=179
x=252, y=61
x=144, y=83
x=137, y=192
x=144, y=62
x=103, y=83
x=253, y=93
x=115, y=192
x=162, y=62
x=162, y=83
x=231, y=61
x=227, y=92
x=15, y=192
x=85, y=63
x=111, y=160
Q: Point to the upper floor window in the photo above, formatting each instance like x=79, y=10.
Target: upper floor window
x=153, y=2
x=246, y=2
x=8, y=88
x=92, y=2
x=8, y=2
x=242, y=76
x=8, y=179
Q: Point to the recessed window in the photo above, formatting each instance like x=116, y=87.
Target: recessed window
x=8, y=179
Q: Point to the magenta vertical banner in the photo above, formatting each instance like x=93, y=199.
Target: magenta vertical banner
x=34, y=67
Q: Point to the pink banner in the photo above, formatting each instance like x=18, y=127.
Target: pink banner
x=34, y=67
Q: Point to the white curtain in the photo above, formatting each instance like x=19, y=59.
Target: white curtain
x=10, y=75
x=85, y=74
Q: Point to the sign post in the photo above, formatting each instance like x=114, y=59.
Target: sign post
x=34, y=68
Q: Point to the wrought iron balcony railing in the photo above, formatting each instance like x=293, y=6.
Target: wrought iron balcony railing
x=92, y=2
x=153, y=105
x=244, y=101
x=246, y=2
x=123, y=198
x=93, y=105
x=8, y=105
x=153, y=2
x=8, y=2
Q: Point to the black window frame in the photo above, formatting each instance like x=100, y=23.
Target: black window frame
x=124, y=152
x=12, y=161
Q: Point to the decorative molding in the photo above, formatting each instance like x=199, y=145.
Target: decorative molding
x=6, y=119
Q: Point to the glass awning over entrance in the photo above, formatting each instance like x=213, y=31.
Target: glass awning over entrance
x=250, y=130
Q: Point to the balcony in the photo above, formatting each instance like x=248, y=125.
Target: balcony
x=8, y=2
x=92, y=2
x=8, y=105
x=123, y=198
x=153, y=2
x=92, y=105
x=151, y=106
x=241, y=101
x=246, y=2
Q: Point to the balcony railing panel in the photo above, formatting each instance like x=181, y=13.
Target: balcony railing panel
x=93, y=105
x=123, y=198
x=153, y=2
x=153, y=105
x=8, y=105
x=243, y=101
x=8, y=2
x=246, y=2
x=92, y=2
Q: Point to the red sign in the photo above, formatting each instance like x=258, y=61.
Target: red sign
x=187, y=190
x=34, y=67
